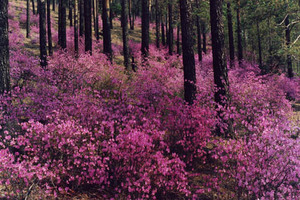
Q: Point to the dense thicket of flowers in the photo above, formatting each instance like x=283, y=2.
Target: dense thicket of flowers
x=87, y=124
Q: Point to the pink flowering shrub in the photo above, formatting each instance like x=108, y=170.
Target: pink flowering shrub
x=264, y=166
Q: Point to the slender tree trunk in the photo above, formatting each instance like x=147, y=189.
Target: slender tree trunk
x=239, y=33
x=171, y=35
x=88, y=25
x=53, y=5
x=125, y=33
x=43, y=41
x=187, y=51
x=62, y=32
x=33, y=7
x=219, y=59
x=145, y=27
x=28, y=19
x=76, y=28
x=167, y=30
x=59, y=22
x=163, y=38
x=198, y=34
x=81, y=17
x=106, y=29
x=157, y=25
x=203, y=27
x=288, y=43
x=97, y=19
x=178, y=39
x=49, y=28
x=71, y=12
x=259, y=46
x=4, y=48
x=230, y=35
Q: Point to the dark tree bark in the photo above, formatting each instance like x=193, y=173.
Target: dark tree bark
x=157, y=25
x=71, y=12
x=106, y=29
x=145, y=27
x=81, y=17
x=167, y=30
x=88, y=25
x=76, y=28
x=53, y=5
x=178, y=40
x=288, y=43
x=4, y=48
x=187, y=51
x=230, y=35
x=219, y=59
x=28, y=19
x=259, y=45
x=49, y=28
x=33, y=7
x=239, y=33
x=163, y=38
x=171, y=34
x=203, y=30
x=198, y=34
x=62, y=35
x=43, y=41
x=125, y=33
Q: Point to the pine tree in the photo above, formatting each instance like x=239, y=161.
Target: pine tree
x=43, y=41
x=4, y=48
x=187, y=51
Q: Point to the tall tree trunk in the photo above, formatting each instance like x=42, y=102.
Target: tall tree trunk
x=145, y=27
x=187, y=51
x=171, y=35
x=157, y=25
x=219, y=59
x=167, y=30
x=53, y=5
x=178, y=39
x=71, y=12
x=163, y=38
x=43, y=41
x=259, y=46
x=125, y=33
x=76, y=28
x=203, y=28
x=62, y=35
x=106, y=29
x=198, y=34
x=28, y=19
x=88, y=25
x=33, y=7
x=288, y=43
x=4, y=48
x=49, y=28
x=230, y=35
x=239, y=33
x=81, y=17
x=97, y=20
